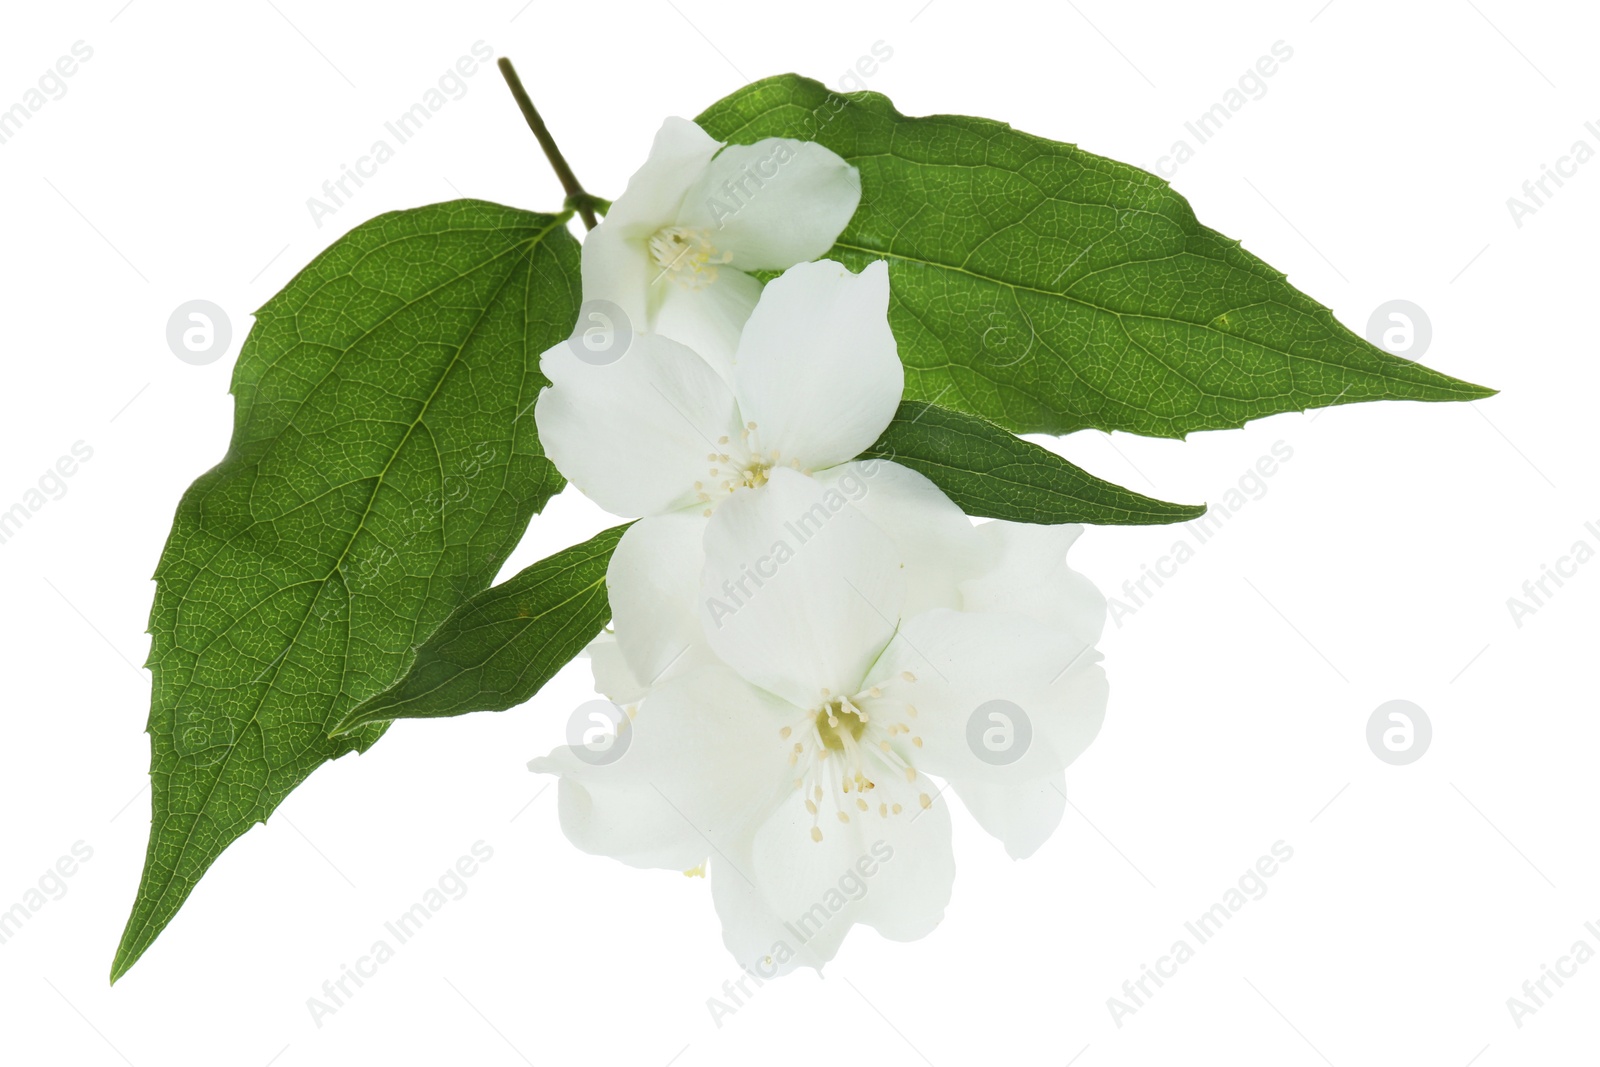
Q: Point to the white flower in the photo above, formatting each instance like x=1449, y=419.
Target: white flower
x=675, y=247
x=799, y=762
x=660, y=434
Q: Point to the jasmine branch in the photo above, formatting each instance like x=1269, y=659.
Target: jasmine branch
x=577, y=198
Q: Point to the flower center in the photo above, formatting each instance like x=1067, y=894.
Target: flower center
x=744, y=465
x=687, y=254
x=753, y=475
x=837, y=720
x=841, y=754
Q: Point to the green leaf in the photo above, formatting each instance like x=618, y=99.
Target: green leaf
x=500, y=648
x=1048, y=289
x=989, y=472
x=380, y=473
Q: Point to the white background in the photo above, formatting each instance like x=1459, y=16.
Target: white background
x=1377, y=564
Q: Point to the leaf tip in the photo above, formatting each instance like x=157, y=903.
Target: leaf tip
x=121, y=963
x=1164, y=513
x=345, y=725
x=363, y=714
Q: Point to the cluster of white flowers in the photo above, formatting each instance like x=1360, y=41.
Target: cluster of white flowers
x=803, y=641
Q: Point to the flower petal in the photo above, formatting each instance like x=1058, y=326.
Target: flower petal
x=618, y=268
x=634, y=435
x=653, y=583
x=774, y=203
x=627, y=821
x=817, y=369
x=707, y=319
x=800, y=591
x=892, y=870
x=613, y=678
x=1026, y=571
x=656, y=193
x=703, y=762
x=1022, y=814
x=938, y=543
x=1001, y=701
x=755, y=934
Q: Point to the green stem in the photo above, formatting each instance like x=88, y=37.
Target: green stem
x=576, y=197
